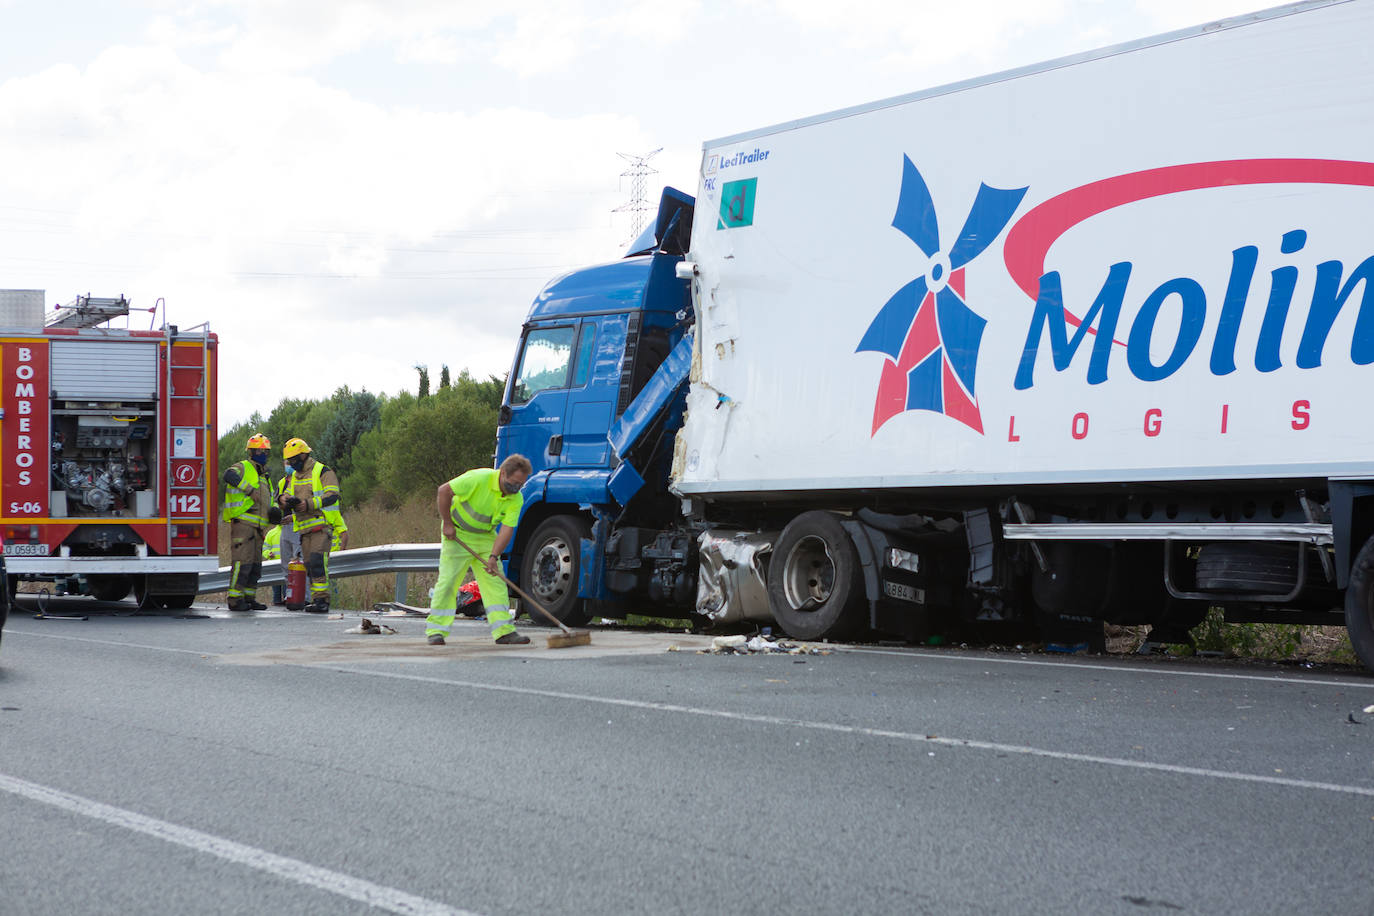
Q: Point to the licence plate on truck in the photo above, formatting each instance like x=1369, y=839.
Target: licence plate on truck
x=904, y=592
x=26, y=550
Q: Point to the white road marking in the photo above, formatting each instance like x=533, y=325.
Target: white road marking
x=1090, y=666
x=884, y=733
x=872, y=732
x=386, y=898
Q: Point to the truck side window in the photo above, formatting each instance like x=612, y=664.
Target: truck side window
x=585, y=344
x=544, y=364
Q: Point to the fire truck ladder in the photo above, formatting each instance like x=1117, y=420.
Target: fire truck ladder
x=188, y=407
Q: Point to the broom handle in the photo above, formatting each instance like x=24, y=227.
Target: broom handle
x=515, y=588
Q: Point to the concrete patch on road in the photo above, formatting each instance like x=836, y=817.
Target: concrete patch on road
x=464, y=648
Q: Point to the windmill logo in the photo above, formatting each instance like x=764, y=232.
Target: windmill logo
x=927, y=330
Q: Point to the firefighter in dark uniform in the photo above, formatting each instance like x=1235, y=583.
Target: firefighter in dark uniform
x=311, y=493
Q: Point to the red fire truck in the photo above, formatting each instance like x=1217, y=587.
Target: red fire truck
x=108, y=446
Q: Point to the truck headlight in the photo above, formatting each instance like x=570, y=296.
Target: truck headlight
x=903, y=559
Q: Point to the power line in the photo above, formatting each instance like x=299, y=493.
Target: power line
x=638, y=204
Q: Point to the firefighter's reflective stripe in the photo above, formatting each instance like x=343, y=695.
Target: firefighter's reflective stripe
x=234, y=590
x=318, y=514
x=241, y=497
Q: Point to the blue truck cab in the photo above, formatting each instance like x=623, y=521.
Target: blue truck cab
x=593, y=400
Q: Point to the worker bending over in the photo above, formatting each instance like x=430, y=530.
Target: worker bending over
x=473, y=506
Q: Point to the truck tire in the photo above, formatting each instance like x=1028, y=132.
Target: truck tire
x=550, y=568
x=178, y=602
x=1359, y=605
x=1268, y=568
x=142, y=598
x=815, y=587
x=109, y=588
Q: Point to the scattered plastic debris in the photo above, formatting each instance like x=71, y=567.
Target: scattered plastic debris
x=743, y=645
x=1369, y=709
x=368, y=627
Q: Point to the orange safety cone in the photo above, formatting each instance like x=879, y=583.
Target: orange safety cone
x=295, y=585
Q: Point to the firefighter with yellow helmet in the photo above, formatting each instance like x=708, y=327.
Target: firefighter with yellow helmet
x=247, y=507
x=311, y=493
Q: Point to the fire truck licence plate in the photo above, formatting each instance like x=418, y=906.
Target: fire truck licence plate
x=26, y=550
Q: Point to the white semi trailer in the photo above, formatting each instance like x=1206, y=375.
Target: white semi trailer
x=1090, y=340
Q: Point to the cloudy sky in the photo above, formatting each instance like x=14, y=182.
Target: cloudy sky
x=344, y=189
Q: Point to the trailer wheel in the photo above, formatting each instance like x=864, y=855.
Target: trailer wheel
x=551, y=566
x=109, y=588
x=178, y=602
x=815, y=590
x=1255, y=567
x=1359, y=604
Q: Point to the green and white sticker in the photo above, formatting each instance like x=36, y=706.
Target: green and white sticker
x=737, y=203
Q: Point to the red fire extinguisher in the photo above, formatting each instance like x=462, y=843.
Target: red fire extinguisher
x=295, y=585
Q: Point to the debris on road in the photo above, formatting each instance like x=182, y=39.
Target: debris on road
x=743, y=645
x=367, y=626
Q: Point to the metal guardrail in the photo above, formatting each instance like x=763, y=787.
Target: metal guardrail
x=385, y=558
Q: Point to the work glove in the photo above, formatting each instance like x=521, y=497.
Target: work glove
x=274, y=516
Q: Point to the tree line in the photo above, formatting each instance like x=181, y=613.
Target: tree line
x=384, y=447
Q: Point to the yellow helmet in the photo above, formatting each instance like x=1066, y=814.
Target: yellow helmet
x=293, y=448
x=258, y=440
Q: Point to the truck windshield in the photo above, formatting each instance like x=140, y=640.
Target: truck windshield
x=544, y=364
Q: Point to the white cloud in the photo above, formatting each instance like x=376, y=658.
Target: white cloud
x=390, y=183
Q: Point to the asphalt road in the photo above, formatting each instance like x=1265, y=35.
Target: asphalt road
x=206, y=763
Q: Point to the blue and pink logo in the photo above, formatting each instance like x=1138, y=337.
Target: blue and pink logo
x=932, y=336
x=927, y=330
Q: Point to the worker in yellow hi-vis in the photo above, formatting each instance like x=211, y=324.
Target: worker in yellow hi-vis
x=481, y=509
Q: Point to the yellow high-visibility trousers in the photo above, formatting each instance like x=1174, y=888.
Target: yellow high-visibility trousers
x=454, y=563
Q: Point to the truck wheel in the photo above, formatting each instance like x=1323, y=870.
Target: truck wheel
x=144, y=600
x=1359, y=605
x=814, y=585
x=551, y=566
x=109, y=588
x=178, y=602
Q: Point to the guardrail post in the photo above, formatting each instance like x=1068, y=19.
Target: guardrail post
x=401, y=590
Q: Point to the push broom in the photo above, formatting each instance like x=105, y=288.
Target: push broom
x=569, y=636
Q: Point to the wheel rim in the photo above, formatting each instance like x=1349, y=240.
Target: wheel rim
x=808, y=578
x=552, y=570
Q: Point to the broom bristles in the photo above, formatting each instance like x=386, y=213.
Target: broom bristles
x=575, y=638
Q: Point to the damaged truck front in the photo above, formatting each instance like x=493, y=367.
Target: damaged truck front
x=1018, y=372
